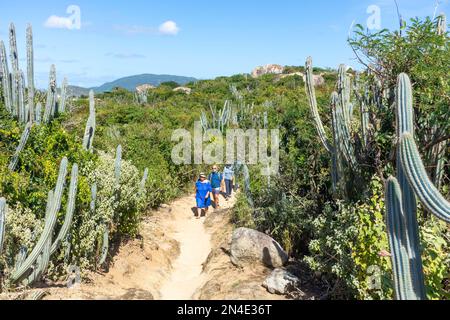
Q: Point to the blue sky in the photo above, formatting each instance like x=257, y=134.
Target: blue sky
x=197, y=38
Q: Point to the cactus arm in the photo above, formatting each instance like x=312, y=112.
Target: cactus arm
x=417, y=176
x=105, y=245
x=49, y=225
x=396, y=224
x=20, y=147
x=309, y=83
x=3, y=209
x=70, y=209
x=30, y=72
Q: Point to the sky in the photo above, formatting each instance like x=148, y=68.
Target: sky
x=93, y=42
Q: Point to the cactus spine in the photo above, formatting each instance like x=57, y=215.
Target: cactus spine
x=20, y=147
x=89, y=132
x=48, y=228
x=30, y=72
x=50, y=105
x=6, y=78
x=3, y=209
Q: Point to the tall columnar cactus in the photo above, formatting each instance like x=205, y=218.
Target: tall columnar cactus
x=439, y=149
x=93, y=198
x=20, y=147
x=405, y=123
x=14, y=56
x=62, y=235
x=117, y=164
x=50, y=105
x=3, y=209
x=21, y=97
x=38, y=113
x=442, y=24
x=143, y=182
x=411, y=180
x=50, y=222
x=89, y=131
x=63, y=97
x=6, y=78
x=30, y=72
x=311, y=93
x=13, y=48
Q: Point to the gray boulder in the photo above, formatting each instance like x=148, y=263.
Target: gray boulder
x=250, y=246
x=281, y=281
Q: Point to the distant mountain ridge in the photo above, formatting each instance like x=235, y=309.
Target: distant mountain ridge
x=130, y=83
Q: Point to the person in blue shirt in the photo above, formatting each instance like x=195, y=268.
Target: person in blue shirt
x=228, y=176
x=203, y=192
x=216, y=179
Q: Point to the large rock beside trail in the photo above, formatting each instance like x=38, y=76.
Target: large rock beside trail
x=281, y=281
x=250, y=246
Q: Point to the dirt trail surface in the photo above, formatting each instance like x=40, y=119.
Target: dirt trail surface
x=195, y=246
x=176, y=257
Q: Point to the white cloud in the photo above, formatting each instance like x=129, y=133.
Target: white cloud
x=56, y=22
x=169, y=28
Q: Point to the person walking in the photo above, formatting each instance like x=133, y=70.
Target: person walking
x=228, y=176
x=216, y=179
x=203, y=192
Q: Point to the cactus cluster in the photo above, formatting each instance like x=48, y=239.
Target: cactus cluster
x=341, y=147
x=20, y=95
x=32, y=268
x=220, y=119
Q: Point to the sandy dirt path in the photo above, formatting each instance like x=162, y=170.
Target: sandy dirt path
x=195, y=246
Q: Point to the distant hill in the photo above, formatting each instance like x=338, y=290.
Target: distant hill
x=130, y=83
